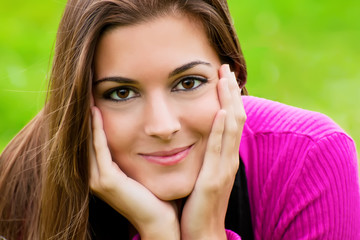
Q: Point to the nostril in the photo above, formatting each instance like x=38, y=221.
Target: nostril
x=165, y=132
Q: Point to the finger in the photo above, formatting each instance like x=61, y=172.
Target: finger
x=236, y=95
x=227, y=103
x=102, y=152
x=238, y=106
x=92, y=158
x=93, y=168
x=235, y=92
x=214, y=144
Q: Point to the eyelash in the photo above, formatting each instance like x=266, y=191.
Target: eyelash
x=108, y=94
x=197, y=81
x=201, y=81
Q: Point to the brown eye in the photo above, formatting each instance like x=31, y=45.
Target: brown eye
x=122, y=94
x=188, y=83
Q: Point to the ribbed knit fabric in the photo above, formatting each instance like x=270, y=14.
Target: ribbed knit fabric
x=230, y=235
x=302, y=174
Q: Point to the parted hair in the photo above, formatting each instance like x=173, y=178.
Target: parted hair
x=44, y=190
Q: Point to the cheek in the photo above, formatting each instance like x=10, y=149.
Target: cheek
x=201, y=113
x=116, y=127
x=121, y=138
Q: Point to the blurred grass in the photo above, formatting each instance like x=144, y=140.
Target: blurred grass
x=27, y=35
x=303, y=53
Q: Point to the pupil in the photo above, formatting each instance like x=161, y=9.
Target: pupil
x=188, y=84
x=123, y=93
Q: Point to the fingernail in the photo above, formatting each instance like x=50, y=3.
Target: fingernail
x=228, y=67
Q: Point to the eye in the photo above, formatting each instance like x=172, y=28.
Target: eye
x=121, y=94
x=189, y=83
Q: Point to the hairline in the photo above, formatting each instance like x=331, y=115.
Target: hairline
x=176, y=11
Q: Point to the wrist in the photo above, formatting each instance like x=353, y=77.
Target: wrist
x=211, y=234
x=229, y=235
x=211, y=229
x=166, y=228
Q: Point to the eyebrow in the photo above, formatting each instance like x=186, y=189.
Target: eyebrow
x=187, y=66
x=175, y=72
x=115, y=79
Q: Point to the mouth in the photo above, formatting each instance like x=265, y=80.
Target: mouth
x=167, y=158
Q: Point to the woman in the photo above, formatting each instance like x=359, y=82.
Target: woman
x=144, y=115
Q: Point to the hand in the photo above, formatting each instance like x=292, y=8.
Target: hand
x=203, y=215
x=152, y=217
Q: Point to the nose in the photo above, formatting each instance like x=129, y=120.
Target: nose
x=161, y=121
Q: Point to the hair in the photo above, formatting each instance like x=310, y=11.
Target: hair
x=44, y=169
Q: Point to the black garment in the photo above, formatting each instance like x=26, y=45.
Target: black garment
x=238, y=216
x=107, y=224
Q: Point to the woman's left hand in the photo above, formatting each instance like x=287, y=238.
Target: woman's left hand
x=203, y=215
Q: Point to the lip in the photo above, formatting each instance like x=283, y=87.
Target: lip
x=167, y=158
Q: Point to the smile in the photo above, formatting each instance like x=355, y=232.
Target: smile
x=168, y=158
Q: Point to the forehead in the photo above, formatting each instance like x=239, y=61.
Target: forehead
x=164, y=42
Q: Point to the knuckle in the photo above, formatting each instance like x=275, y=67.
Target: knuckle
x=241, y=118
x=218, y=131
x=101, y=184
x=215, y=149
x=96, y=144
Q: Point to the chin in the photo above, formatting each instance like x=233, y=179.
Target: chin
x=173, y=193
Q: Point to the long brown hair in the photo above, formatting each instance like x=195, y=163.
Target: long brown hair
x=44, y=169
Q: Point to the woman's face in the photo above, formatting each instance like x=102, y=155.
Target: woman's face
x=155, y=85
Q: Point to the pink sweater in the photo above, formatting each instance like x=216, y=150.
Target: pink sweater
x=302, y=174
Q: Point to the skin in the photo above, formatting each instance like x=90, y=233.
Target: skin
x=163, y=115
x=197, y=110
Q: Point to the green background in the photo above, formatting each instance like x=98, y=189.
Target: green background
x=303, y=53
